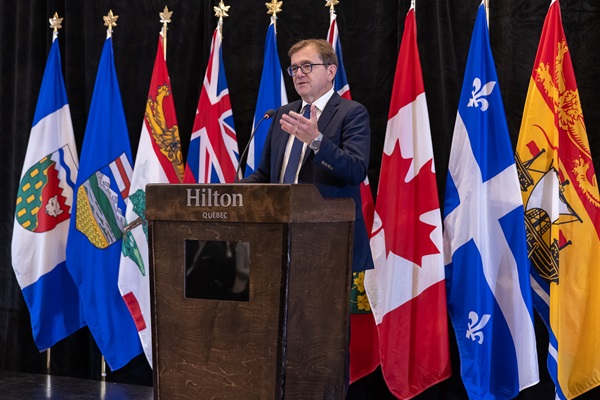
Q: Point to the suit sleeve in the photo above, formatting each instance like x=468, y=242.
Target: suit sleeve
x=345, y=148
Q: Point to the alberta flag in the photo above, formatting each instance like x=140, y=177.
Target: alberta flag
x=271, y=95
x=159, y=160
x=487, y=270
x=94, y=244
x=43, y=212
x=562, y=213
x=407, y=289
x=213, y=153
x=364, y=344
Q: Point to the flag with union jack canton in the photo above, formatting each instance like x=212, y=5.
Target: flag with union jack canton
x=340, y=83
x=213, y=154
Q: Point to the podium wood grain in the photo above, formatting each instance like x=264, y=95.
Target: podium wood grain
x=290, y=339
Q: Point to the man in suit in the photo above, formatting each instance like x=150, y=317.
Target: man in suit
x=322, y=139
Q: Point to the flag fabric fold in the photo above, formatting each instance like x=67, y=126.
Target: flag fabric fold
x=487, y=270
x=96, y=231
x=364, y=343
x=213, y=154
x=43, y=213
x=407, y=288
x=562, y=214
x=159, y=160
x=271, y=95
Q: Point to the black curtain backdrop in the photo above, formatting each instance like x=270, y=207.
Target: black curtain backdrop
x=370, y=32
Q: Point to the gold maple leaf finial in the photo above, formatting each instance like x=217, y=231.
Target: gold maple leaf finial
x=55, y=22
x=110, y=20
x=274, y=7
x=165, y=16
x=221, y=10
x=331, y=4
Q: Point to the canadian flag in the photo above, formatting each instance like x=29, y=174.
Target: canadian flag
x=407, y=287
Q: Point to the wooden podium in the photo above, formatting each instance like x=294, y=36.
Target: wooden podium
x=250, y=291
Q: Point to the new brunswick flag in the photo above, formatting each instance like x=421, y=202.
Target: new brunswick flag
x=562, y=214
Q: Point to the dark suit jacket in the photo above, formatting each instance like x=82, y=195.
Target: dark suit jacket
x=339, y=167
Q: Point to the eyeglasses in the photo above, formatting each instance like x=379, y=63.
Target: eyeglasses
x=306, y=68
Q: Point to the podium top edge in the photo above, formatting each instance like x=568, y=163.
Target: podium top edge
x=244, y=202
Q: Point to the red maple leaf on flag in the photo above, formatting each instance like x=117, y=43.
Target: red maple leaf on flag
x=401, y=207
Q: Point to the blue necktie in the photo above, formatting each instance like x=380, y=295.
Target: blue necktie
x=294, y=160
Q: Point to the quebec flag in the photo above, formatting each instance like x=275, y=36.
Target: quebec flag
x=487, y=270
x=271, y=95
x=43, y=211
x=96, y=233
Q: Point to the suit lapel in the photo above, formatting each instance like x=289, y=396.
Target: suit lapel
x=328, y=112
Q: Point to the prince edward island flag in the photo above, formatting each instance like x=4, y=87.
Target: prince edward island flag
x=487, y=270
x=95, y=236
x=159, y=160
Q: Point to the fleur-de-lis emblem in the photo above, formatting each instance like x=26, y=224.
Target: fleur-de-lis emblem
x=474, y=328
x=478, y=92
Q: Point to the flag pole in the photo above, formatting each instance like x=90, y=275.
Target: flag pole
x=103, y=370
x=165, y=18
x=220, y=12
x=486, y=4
x=110, y=20
x=273, y=8
x=55, y=25
x=331, y=4
x=48, y=361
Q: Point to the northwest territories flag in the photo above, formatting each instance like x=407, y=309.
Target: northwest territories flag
x=94, y=244
x=159, y=160
x=562, y=213
x=487, y=271
x=43, y=212
x=213, y=152
x=271, y=95
x=364, y=344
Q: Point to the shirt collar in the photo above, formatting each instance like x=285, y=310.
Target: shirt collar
x=321, y=102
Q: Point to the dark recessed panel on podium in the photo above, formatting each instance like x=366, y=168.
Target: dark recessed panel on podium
x=250, y=288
